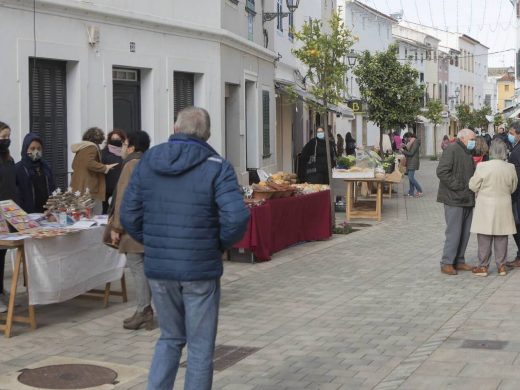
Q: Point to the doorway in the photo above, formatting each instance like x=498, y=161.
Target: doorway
x=233, y=139
x=126, y=99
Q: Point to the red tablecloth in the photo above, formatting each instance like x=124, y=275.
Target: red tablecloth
x=280, y=223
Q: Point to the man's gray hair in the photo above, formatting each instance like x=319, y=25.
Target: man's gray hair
x=194, y=121
x=498, y=150
x=465, y=133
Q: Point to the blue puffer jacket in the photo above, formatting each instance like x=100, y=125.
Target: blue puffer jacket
x=184, y=204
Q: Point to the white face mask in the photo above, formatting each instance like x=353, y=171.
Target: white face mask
x=35, y=155
x=320, y=135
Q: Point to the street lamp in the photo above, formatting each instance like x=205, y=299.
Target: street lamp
x=292, y=5
x=352, y=57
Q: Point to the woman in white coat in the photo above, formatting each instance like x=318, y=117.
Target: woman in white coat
x=493, y=183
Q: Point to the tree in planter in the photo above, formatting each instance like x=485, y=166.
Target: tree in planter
x=464, y=115
x=433, y=114
x=322, y=51
x=391, y=89
x=480, y=118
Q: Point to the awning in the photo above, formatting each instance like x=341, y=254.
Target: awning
x=514, y=114
x=342, y=109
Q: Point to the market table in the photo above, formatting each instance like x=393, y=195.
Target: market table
x=60, y=268
x=280, y=223
x=362, y=209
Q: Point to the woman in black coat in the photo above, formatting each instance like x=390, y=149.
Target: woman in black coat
x=7, y=191
x=350, y=144
x=34, y=177
x=313, y=160
x=111, y=154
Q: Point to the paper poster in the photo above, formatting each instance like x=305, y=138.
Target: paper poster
x=17, y=217
x=3, y=225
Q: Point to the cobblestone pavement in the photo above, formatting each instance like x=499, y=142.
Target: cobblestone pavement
x=369, y=310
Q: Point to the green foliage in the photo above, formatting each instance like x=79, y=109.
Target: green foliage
x=498, y=120
x=323, y=52
x=475, y=119
x=390, y=88
x=464, y=115
x=509, y=122
x=479, y=117
x=434, y=111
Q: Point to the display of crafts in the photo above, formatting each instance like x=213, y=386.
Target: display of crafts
x=4, y=228
x=74, y=204
x=17, y=217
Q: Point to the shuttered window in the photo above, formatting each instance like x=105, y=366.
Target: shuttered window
x=266, y=125
x=183, y=94
x=48, y=113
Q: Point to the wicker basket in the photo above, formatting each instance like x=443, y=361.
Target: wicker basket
x=263, y=194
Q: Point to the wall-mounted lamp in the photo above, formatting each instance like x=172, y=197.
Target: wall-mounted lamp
x=292, y=5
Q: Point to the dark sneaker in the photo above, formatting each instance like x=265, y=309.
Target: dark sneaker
x=480, y=271
x=514, y=264
x=463, y=267
x=448, y=269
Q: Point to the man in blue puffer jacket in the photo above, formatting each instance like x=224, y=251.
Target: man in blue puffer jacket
x=184, y=204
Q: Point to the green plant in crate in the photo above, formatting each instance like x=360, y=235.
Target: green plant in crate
x=346, y=162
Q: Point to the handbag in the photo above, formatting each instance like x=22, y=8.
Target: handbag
x=311, y=167
x=107, y=237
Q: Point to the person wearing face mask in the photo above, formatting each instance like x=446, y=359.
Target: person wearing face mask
x=88, y=171
x=111, y=154
x=7, y=191
x=412, y=151
x=34, y=176
x=133, y=149
x=313, y=160
x=513, y=137
x=455, y=169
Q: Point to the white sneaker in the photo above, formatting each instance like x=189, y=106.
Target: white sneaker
x=3, y=308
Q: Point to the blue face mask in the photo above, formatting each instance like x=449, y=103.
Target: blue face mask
x=471, y=144
x=511, y=139
x=320, y=135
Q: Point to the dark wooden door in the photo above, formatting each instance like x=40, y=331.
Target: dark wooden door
x=48, y=113
x=127, y=100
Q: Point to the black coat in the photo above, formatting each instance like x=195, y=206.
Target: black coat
x=8, y=180
x=321, y=176
x=31, y=196
x=112, y=176
x=514, y=158
x=455, y=168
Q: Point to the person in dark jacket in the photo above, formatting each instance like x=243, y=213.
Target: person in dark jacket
x=412, y=151
x=514, y=158
x=7, y=191
x=455, y=169
x=184, y=204
x=350, y=144
x=34, y=177
x=313, y=160
x=111, y=154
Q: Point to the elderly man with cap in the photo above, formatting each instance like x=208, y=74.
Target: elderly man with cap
x=454, y=171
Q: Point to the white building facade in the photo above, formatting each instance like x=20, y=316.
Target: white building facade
x=374, y=32
x=134, y=67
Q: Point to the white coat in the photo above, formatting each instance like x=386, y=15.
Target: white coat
x=493, y=183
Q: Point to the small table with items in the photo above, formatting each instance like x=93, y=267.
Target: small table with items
x=280, y=223
x=57, y=269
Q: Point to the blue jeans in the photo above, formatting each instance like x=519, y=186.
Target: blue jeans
x=414, y=184
x=187, y=314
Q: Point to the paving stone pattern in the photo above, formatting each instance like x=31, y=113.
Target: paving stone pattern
x=369, y=310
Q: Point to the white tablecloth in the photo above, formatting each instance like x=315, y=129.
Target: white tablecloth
x=64, y=267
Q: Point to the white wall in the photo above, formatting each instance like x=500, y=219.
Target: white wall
x=161, y=49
